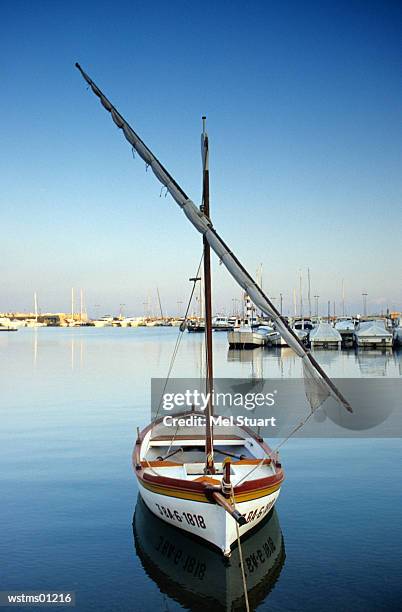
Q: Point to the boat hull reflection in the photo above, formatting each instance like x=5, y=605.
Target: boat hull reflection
x=196, y=575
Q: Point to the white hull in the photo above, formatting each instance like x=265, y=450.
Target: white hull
x=325, y=345
x=302, y=334
x=374, y=341
x=373, y=334
x=277, y=340
x=239, y=338
x=35, y=324
x=220, y=528
x=398, y=336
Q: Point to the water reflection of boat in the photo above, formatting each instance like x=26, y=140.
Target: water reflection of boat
x=374, y=362
x=196, y=575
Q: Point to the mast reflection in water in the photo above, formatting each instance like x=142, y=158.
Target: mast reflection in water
x=197, y=576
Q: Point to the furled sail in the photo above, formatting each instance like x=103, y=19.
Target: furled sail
x=317, y=384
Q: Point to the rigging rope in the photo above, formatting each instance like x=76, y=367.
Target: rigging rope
x=275, y=451
x=174, y=355
x=243, y=573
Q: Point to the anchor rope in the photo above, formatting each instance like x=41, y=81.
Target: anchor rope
x=243, y=573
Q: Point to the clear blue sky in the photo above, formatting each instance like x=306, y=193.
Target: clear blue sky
x=304, y=114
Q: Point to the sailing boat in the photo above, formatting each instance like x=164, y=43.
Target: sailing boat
x=212, y=481
x=34, y=322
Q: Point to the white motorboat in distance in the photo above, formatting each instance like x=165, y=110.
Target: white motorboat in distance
x=324, y=335
x=220, y=323
x=346, y=327
x=302, y=328
x=373, y=334
x=106, y=321
x=6, y=325
x=243, y=336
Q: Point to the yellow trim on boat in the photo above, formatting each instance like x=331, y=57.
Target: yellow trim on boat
x=201, y=497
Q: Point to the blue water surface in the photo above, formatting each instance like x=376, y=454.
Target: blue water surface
x=71, y=400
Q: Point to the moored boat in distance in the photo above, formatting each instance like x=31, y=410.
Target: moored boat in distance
x=176, y=322
x=302, y=327
x=278, y=340
x=196, y=326
x=105, y=321
x=6, y=325
x=373, y=334
x=244, y=336
x=346, y=327
x=221, y=323
x=324, y=335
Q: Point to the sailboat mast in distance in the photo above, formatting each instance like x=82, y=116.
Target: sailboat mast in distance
x=343, y=297
x=36, y=307
x=159, y=302
x=209, y=444
x=301, y=295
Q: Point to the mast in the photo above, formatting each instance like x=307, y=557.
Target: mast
x=301, y=296
x=159, y=301
x=309, y=293
x=72, y=303
x=343, y=297
x=36, y=307
x=209, y=442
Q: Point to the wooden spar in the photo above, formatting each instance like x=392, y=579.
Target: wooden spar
x=209, y=442
x=204, y=225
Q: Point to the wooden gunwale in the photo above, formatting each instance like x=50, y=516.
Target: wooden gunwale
x=200, y=490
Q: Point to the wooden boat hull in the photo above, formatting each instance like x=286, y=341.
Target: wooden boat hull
x=207, y=520
x=183, y=495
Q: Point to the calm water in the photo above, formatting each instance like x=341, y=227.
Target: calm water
x=70, y=404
